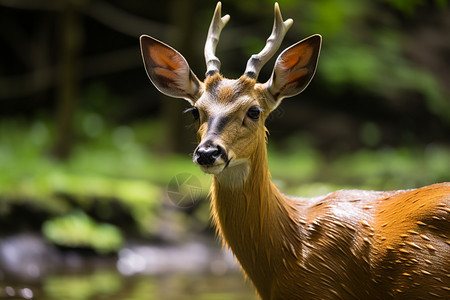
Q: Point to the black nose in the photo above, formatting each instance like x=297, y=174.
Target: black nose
x=207, y=155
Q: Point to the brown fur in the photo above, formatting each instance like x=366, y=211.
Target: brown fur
x=348, y=244
x=306, y=249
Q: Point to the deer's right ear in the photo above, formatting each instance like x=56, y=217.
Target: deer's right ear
x=294, y=69
x=168, y=70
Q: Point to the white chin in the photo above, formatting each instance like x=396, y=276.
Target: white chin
x=213, y=169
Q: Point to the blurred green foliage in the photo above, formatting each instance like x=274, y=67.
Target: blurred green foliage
x=364, y=49
x=98, y=170
x=303, y=171
x=77, y=230
x=112, y=167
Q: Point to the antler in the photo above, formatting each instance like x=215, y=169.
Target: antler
x=257, y=61
x=217, y=24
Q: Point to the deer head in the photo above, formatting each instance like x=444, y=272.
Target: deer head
x=230, y=113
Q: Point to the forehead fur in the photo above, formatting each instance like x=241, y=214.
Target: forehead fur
x=226, y=90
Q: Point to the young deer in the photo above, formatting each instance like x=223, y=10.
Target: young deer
x=350, y=244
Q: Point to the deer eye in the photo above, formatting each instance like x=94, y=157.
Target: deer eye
x=254, y=112
x=194, y=111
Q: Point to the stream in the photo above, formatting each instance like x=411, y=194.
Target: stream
x=30, y=268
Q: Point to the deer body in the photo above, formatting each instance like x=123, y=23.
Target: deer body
x=349, y=244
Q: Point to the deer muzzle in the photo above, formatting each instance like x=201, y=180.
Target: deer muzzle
x=211, y=157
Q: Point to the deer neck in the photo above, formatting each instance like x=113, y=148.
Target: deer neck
x=256, y=221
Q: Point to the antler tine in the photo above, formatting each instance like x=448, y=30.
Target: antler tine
x=257, y=61
x=217, y=24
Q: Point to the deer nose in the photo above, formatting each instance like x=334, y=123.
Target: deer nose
x=207, y=155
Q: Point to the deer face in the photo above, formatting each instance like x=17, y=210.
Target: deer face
x=230, y=114
x=230, y=118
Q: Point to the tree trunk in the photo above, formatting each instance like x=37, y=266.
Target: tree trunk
x=70, y=37
x=178, y=139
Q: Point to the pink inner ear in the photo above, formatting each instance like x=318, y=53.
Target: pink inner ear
x=300, y=56
x=294, y=76
x=165, y=73
x=164, y=58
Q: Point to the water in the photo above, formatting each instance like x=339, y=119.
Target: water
x=30, y=268
x=109, y=283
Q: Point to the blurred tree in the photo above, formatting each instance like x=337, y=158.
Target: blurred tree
x=182, y=16
x=70, y=44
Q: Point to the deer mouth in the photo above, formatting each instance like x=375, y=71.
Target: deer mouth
x=213, y=169
x=217, y=167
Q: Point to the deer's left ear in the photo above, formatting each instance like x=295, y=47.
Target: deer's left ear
x=168, y=70
x=294, y=69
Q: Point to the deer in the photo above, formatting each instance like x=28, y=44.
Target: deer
x=348, y=244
